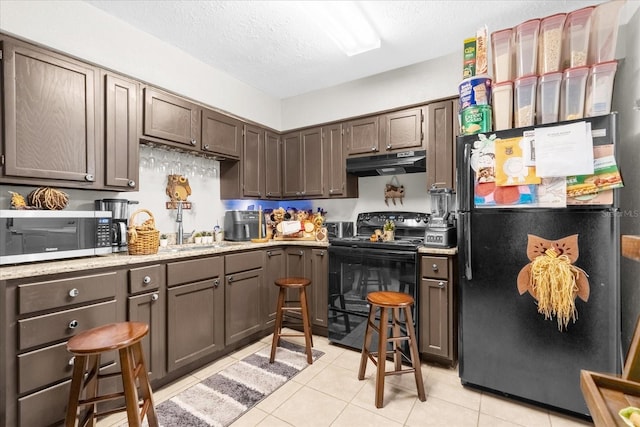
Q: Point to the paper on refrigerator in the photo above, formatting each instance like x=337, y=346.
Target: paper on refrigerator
x=564, y=150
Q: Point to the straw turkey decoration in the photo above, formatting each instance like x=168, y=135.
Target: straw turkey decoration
x=552, y=279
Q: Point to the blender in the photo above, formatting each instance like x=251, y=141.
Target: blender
x=119, y=218
x=440, y=231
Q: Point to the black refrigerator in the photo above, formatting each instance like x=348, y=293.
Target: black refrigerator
x=505, y=345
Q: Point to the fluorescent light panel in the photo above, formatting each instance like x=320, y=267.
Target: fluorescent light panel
x=345, y=23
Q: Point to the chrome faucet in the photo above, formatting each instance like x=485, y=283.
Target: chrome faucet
x=179, y=221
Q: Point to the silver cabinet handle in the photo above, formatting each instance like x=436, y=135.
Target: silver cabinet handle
x=321, y=253
x=89, y=177
x=441, y=285
x=269, y=253
x=435, y=267
x=389, y=147
x=131, y=183
x=193, y=142
x=216, y=283
x=300, y=253
x=373, y=148
x=230, y=279
x=146, y=280
x=74, y=324
x=155, y=296
x=72, y=361
x=74, y=293
x=206, y=147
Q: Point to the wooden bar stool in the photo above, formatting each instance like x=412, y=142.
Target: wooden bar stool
x=301, y=284
x=397, y=303
x=87, y=347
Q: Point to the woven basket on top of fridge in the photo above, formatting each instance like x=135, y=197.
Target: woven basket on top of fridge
x=143, y=239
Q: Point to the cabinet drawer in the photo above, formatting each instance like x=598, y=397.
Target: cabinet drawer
x=57, y=326
x=434, y=267
x=242, y=262
x=48, y=365
x=194, y=270
x=39, y=296
x=145, y=278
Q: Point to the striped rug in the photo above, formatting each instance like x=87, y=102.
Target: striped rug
x=223, y=397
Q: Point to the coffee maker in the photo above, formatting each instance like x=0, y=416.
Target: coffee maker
x=119, y=220
x=440, y=230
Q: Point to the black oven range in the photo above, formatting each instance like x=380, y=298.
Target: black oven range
x=358, y=266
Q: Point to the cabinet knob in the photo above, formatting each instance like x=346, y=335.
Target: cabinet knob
x=72, y=360
x=193, y=142
x=441, y=285
x=230, y=279
x=388, y=146
x=321, y=253
x=435, y=267
x=373, y=148
x=131, y=183
x=146, y=280
x=89, y=177
x=269, y=253
x=155, y=296
x=216, y=283
x=300, y=253
x=205, y=147
x=74, y=293
x=74, y=324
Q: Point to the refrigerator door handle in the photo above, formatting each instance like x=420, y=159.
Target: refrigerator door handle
x=465, y=218
x=465, y=188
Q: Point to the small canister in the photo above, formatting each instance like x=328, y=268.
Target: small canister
x=474, y=91
x=475, y=119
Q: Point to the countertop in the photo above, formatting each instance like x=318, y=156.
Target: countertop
x=164, y=254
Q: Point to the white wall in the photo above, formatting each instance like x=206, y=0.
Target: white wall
x=81, y=30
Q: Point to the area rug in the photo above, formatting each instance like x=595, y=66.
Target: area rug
x=223, y=397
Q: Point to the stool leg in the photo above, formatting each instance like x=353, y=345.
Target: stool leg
x=397, y=352
x=278, y=327
x=129, y=384
x=77, y=379
x=306, y=324
x=364, y=357
x=91, y=389
x=382, y=357
x=145, y=387
x=415, y=356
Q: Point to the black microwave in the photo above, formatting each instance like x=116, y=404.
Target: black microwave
x=40, y=235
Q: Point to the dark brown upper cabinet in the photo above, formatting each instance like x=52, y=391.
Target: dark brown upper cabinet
x=402, y=130
x=171, y=120
x=312, y=162
x=253, y=165
x=291, y=165
x=221, y=135
x=121, y=132
x=440, y=143
x=337, y=182
x=362, y=136
x=49, y=118
x=273, y=166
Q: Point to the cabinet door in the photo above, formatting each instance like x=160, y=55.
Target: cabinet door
x=49, y=116
x=171, y=119
x=149, y=308
x=440, y=144
x=195, y=322
x=292, y=165
x=253, y=162
x=273, y=166
x=335, y=165
x=221, y=134
x=434, y=317
x=402, y=130
x=243, y=315
x=121, y=132
x=319, y=286
x=296, y=267
x=312, y=162
x=362, y=136
x=275, y=269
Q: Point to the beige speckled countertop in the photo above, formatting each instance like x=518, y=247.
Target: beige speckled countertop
x=164, y=254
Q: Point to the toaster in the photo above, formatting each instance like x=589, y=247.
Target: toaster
x=240, y=225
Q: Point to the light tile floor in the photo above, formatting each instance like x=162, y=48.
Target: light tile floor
x=328, y=393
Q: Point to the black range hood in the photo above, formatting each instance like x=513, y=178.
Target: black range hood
x=388, y=164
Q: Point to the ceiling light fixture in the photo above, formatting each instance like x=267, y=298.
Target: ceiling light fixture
x=346, y=24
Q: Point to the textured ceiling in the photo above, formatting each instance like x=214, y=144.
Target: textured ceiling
x=277, y=47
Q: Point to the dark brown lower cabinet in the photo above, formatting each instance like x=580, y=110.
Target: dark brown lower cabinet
x=437, y=310
x=147, y=308
x=319, y=287
x=275, y=268
x=195, y=310
x=242, y=294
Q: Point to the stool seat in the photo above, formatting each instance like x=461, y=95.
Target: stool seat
x=299, y=283
x=397, y=303
x=113, y=336
x=390, y=299
x=87, y=347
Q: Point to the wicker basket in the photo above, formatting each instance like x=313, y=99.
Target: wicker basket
x=143, y=239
